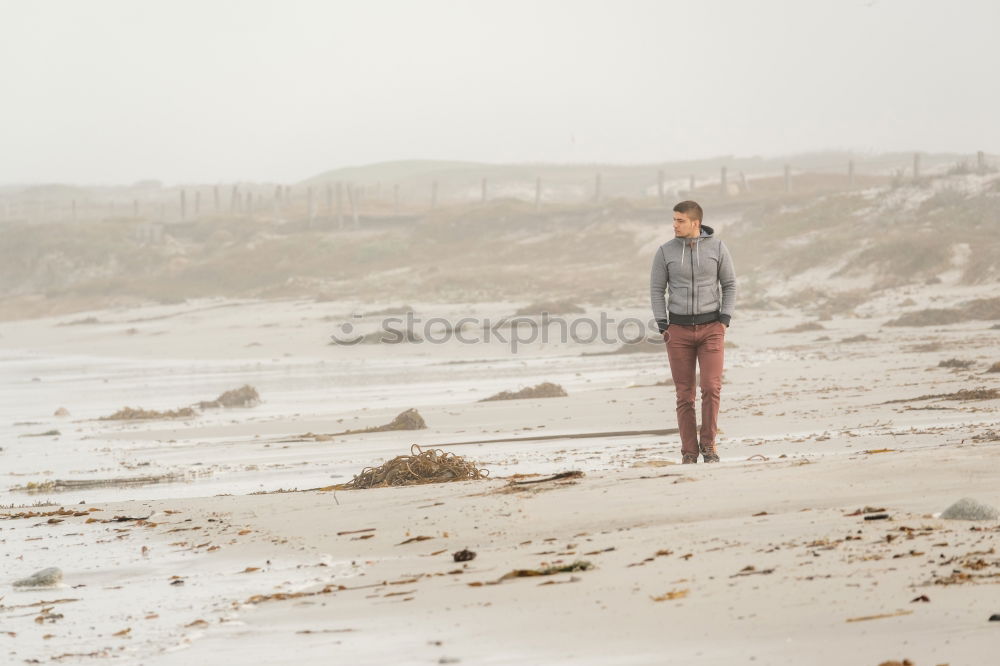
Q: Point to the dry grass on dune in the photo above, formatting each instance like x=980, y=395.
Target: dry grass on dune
x=504, y=249
x=980, y=309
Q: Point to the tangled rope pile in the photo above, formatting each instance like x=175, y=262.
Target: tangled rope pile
x=430, y=466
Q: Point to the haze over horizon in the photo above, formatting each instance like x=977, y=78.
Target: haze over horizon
x=115, y=92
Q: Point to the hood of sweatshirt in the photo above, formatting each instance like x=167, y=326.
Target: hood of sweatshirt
x=694, y=243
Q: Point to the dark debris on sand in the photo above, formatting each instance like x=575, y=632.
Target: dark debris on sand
x=245, y=396
x=543, y=390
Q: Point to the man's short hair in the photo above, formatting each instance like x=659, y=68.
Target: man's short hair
x=689, y=208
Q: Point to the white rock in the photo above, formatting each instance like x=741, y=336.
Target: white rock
x=970, y=509
x=45, y=578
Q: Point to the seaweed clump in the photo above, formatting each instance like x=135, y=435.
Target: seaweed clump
x=430, y=466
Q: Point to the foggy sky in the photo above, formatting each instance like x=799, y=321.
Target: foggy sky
x=199, y=91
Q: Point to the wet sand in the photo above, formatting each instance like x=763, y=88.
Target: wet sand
x=758, y=557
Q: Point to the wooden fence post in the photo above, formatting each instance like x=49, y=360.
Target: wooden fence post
x=352, y=200
x=340, y=204
x=356, y=207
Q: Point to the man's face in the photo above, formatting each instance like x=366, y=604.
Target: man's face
x=685, y=227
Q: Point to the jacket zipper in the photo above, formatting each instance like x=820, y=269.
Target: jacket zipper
x=691, y=247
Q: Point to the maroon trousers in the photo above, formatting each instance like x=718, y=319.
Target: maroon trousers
x=704, y=345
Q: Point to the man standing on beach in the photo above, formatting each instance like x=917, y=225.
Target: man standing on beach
x=687, y=273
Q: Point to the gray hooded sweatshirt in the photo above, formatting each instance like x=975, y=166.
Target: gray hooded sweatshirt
x=690, y=271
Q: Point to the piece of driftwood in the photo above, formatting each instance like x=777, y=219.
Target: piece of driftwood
x=576, y=474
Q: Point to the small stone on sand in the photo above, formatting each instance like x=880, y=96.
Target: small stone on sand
x=45, y=578
x=970, y=509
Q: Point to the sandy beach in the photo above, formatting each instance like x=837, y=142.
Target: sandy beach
x=197, y=540
x=330, y=334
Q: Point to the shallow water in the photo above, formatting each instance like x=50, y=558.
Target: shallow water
x=33, y=386
x=297, y=392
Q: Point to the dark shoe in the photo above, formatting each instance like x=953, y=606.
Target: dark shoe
x=710, y=457
x=689, y=458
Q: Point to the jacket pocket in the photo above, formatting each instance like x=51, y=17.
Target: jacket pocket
x=708, y=298
x=680, y=300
